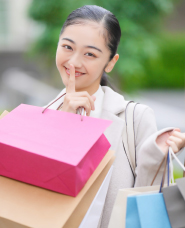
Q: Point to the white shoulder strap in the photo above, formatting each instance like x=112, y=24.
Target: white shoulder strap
x=129, y=134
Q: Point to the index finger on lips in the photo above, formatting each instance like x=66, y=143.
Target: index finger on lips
x=71, y=82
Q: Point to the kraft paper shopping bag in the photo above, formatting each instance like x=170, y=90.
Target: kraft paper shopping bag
x=119, y=210
x=54, y=150
x=4, y=114
x=24, y=206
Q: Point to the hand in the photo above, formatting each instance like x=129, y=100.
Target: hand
x=176, y=140
x=73, y=100
x=173, y=138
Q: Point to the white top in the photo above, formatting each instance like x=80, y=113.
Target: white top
x=99, y=94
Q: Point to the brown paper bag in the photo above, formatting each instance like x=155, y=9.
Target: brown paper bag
x=23, y=205
x=3, y=114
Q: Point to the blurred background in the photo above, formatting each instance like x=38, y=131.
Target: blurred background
x=150, y=70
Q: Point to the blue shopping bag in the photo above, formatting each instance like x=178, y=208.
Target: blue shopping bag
x=148, y=210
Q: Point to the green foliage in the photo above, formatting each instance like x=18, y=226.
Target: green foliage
x=144, y=58
x=168, y=70
x=165, y=71
x=177, y=174
x=52, y=14
x=139, y=22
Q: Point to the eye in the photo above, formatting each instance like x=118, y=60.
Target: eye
x=91, y=54
x=66, y=46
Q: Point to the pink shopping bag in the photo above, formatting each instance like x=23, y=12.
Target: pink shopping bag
x=53, y=150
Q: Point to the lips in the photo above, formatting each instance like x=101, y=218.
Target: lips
x=77, y=73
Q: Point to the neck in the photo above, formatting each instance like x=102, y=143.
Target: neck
x=91, y=90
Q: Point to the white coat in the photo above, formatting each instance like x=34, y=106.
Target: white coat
x=148, y=154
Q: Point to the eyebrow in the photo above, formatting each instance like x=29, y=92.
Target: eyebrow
x=84, y=46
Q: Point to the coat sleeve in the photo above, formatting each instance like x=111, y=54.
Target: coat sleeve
x=148, y=154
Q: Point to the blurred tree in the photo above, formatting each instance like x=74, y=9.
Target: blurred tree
x=52, y=14
x=140, y=23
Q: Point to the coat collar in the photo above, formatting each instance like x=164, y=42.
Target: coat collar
x=113, y=102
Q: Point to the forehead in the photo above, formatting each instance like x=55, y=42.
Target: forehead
x=88, y=33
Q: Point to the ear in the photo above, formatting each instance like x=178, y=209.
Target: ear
x=111, y=64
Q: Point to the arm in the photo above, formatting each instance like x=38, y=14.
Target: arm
x=148, y=153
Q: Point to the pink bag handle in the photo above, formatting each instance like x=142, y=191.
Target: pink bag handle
x=54, y=102
x=61, y=106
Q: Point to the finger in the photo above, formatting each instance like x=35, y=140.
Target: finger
x=86, y=111
x=82, y=99
x=178, y=134
x=93, y=97
x=177, y=129
x=181, y=137
x=71, y=82
x=81, y=103
x=85, y=94
x=177, y=141
x=173, y=146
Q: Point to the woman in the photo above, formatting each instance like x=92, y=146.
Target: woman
x=87, y=49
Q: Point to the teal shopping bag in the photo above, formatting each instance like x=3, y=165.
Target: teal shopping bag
x=148, y=210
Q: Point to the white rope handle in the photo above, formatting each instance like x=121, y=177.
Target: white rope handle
x=172, y=153
x=83, y=112
x=171, y=167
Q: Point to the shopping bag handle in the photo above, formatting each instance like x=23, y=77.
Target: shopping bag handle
x=81, y=109
x=54, y=102
x=181, y=165
x=166, y=161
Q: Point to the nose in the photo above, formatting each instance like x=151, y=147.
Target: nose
x=75, y=60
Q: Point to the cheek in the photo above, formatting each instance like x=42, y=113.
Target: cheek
x=58, y=59
x=96, y=71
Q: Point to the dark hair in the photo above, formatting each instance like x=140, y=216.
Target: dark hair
x=111, y=34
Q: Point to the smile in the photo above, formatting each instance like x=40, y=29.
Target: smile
x=77, y=74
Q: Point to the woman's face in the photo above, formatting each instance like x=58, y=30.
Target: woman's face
x=84, y=47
